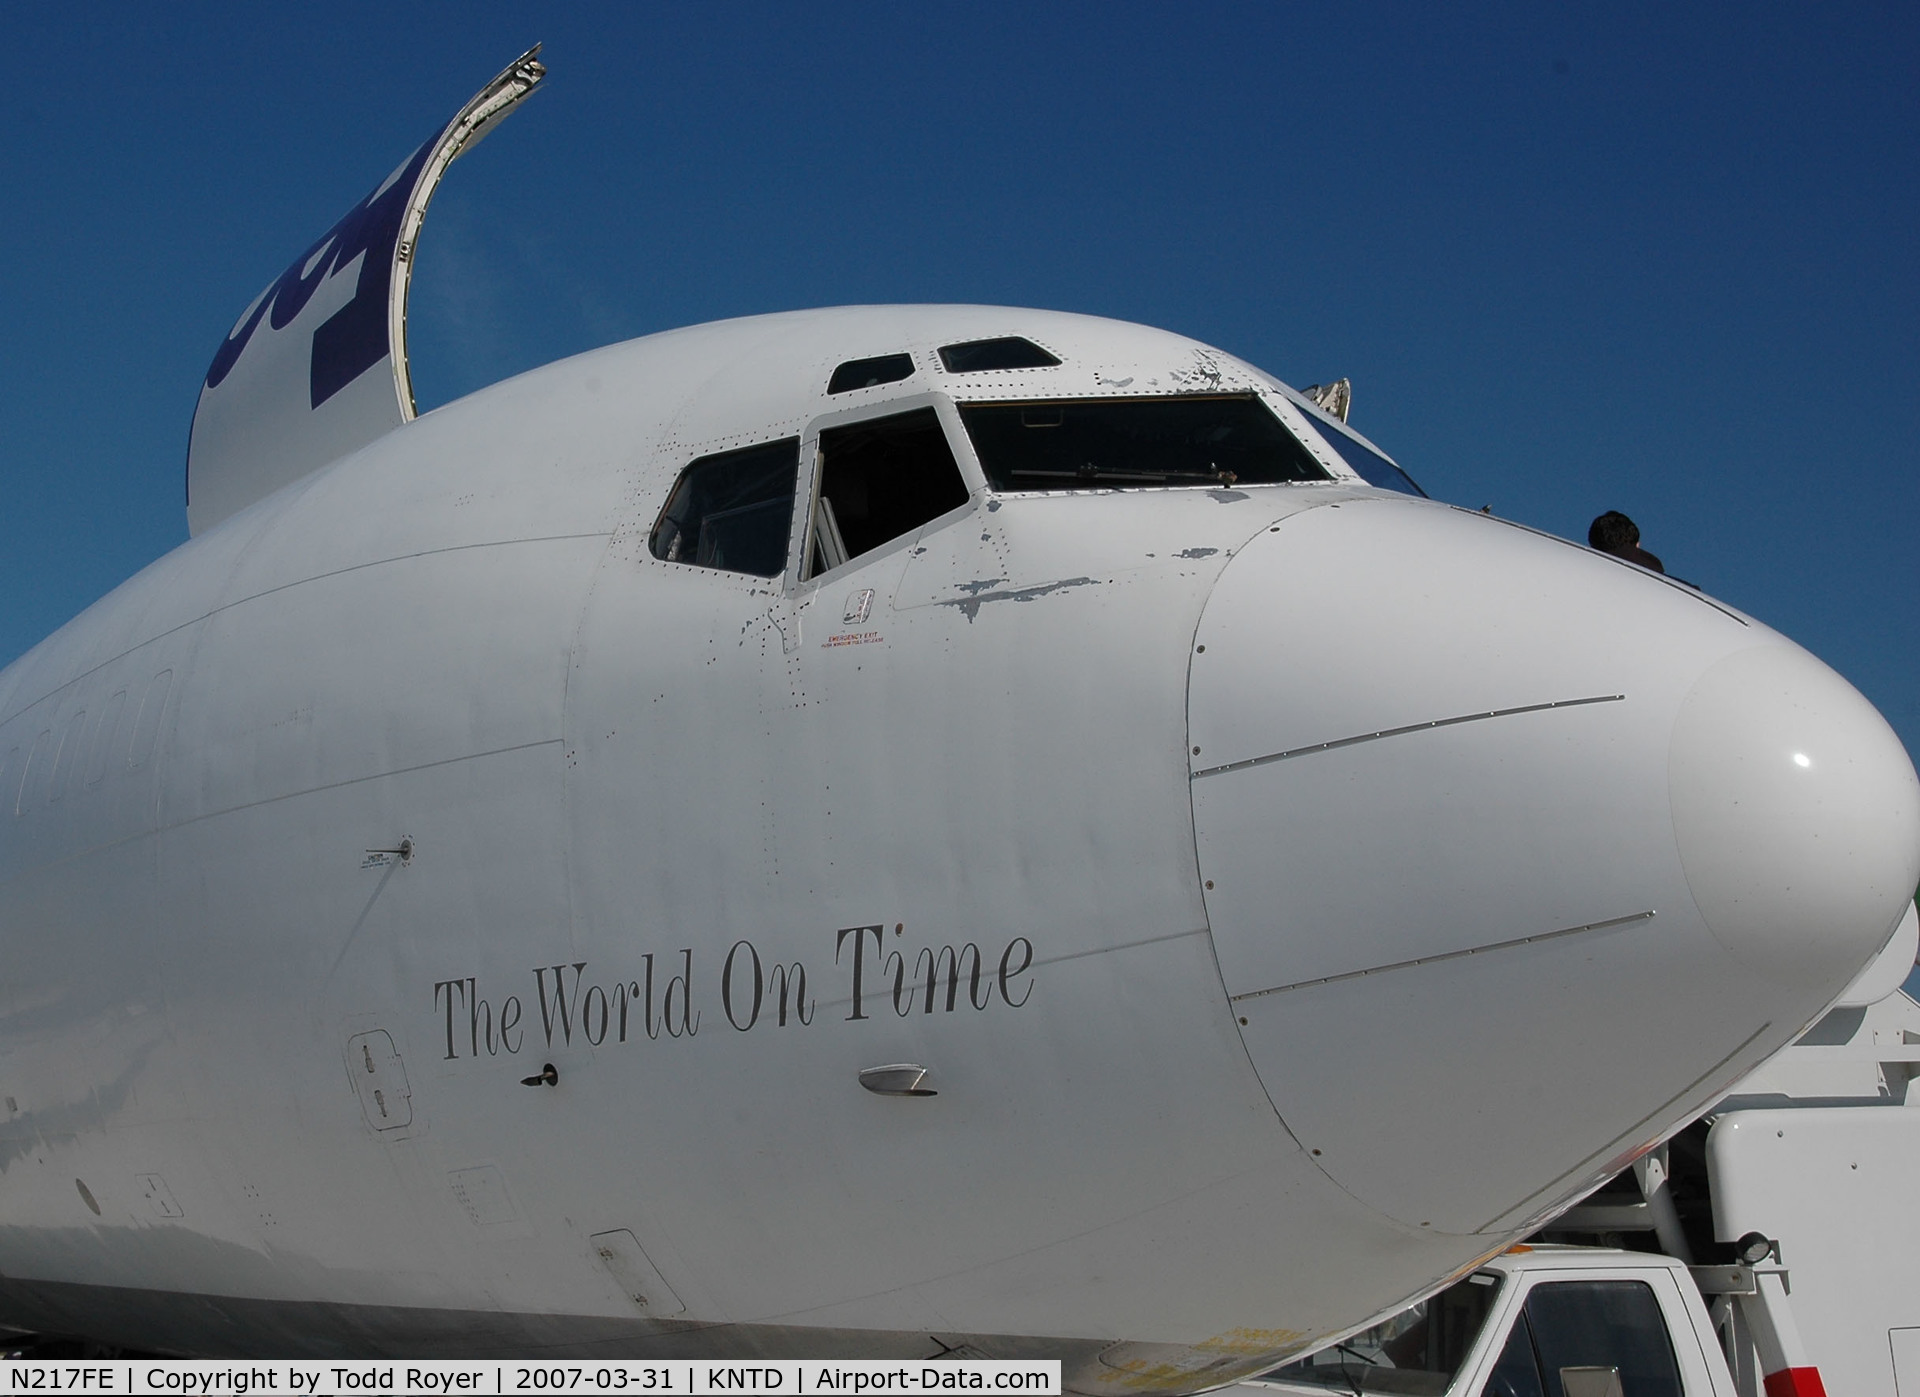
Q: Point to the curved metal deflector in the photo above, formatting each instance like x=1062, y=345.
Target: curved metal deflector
x=294, y=385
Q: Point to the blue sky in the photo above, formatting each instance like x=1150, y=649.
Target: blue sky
x=1653, y=258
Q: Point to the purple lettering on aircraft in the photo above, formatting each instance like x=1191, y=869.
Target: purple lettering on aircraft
x=354, y=338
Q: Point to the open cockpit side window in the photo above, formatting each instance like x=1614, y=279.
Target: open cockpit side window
x=732, y=511
x=878, y=480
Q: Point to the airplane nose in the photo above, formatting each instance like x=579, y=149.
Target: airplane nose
x=1516, y=856
x=1794, y=812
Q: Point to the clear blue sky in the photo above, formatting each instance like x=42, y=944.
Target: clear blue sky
x=1654, y=258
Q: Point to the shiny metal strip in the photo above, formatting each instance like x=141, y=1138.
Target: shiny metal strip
x=1401, y=732
x=1647, y=915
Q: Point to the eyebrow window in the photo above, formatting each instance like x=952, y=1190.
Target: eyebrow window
x=870, y=373
x=1367, y=463
x=732, y=511
x=1008, y=352
x=878, y=480
x=1123, y=443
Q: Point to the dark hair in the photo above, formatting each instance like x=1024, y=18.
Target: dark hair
x=1613, y=532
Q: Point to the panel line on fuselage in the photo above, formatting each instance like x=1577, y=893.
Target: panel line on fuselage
x=1686, y=589
x=1249, y=762
x=359, y=780
x=1647, y=915
x=231, y=603
x=1611, y=1167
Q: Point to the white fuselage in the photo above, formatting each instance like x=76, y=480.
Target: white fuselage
x=1293, y=892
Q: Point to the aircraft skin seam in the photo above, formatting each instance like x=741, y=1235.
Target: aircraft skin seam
x=1199, y=871
x=1271, y=757
x=356, y=781
x=1645, y=916
x=1660, y=1114
x=397, y=558
x=1684, y=588
x=213, y=611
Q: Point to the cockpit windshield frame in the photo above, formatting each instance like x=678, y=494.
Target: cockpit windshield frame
x=1214, y=440
x=808, y=567
x=1334, y=441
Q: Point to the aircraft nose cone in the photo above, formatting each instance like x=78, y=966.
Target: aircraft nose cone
x=1796, y=815
x=1515, y=856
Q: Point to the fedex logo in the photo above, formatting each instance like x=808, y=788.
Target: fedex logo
x=354, y=338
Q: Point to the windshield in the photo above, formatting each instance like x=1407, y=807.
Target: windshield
x=1417, y=1351
x=1119, y=443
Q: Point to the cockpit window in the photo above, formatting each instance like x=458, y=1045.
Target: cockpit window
x=732, y=511
x=880, y=479
x=1367, y=463
x=1119, y=443
x=870, y=373
x=1008, y=352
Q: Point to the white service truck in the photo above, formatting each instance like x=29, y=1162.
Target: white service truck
x=1783, y=1236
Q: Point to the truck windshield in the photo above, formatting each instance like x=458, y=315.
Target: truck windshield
x=1417, y=1351
x=1120, y=443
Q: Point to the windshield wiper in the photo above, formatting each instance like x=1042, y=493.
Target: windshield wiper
x=1093, y=472
x=1353, y=1382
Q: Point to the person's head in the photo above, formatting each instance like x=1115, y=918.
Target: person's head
x=1613, y=532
